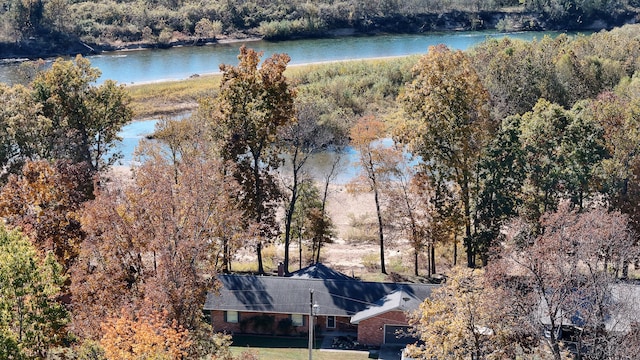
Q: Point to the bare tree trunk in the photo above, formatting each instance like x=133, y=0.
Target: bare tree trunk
x=380, y=223
x=433, y=259
x=327, y=181
x=225, y=255
x=429, y=260
x=258, y=205
x=287, y=225
x=300, y=251
x=259, y=252
x=415, y=262
x=318, y=250
x=455, y=249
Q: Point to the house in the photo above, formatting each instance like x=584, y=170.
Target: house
x=281, y=305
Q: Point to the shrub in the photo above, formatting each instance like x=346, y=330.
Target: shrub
x=263, y=323
x=285, y=326
x=371, y=262
x=165, y=37
x=90, y=350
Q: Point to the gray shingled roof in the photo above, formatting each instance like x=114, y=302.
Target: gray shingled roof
x=319, y=271
x=399, y=299
x=290, y=295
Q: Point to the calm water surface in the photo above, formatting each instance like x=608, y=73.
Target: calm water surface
x=181, y=62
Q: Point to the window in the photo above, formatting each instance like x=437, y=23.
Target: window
x=331, y=322
x=231, y=316
x=297, y=320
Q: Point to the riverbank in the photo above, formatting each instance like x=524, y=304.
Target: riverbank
x=53, y=45
x=169, y=98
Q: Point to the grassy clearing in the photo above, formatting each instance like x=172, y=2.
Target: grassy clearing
x=171, y=97
x=296, y=354
x=158, y=99
x=271, y=347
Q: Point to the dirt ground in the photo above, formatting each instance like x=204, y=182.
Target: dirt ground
x=355, y=250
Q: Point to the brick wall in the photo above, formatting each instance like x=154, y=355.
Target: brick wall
x=371, y=331
x=342, y=324
x=244, y=327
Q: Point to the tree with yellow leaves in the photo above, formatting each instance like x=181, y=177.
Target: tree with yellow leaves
x=448, y=125
x=143, y=335
x=453, y=323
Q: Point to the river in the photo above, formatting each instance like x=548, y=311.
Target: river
x=140, y=66
x=130, y=67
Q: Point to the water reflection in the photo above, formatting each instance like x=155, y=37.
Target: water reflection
x=318, y=165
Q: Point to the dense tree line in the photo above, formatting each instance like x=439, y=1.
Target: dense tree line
x=165, y=21
x=545, y=195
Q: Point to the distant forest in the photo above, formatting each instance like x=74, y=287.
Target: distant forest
x=39, y=27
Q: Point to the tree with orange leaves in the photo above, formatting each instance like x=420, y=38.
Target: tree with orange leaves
x=44, y=202
x=145, y=334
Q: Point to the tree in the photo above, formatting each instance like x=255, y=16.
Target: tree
x=502, y=176
x=455, y=322
x=448, y=125
x=161, y=238
x=32, y=319
x=563, y=273
x=58, y=14
x=251, y=107
x=22, y=129
x=208, y=29
x=85, y=119
x=377, y=163
x=562, y=151
x=410, y=207
x=147, y=334
x=584, y=152
x=310, y=224
x=620, y=178
x=299, y=141
x=25, y=17
x=45, y=202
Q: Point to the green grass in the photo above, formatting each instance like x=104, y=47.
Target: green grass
x=171, y=97
x=272, y=347
x=371, y=78
x=273, y=341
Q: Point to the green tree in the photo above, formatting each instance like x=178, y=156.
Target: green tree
x=207, y=29
x=25, y=16
x=502, y=175
x=543, y=134
x=584, y=152
x=30, y=315
x=448, y=125
x=22, y=129
x=251, y=107
x=85, y=119
x=563, y=150
x=310, y=224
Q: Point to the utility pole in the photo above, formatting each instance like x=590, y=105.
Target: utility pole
x=310, y=323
